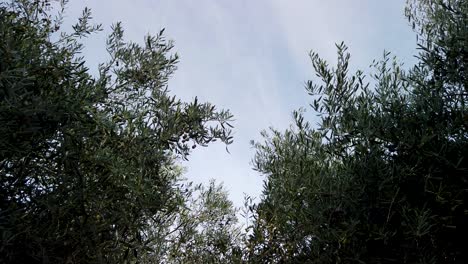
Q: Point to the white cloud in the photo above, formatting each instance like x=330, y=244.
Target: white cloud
x=251, y=57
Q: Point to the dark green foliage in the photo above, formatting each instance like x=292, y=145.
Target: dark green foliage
x=384, y=176
x=87, y=171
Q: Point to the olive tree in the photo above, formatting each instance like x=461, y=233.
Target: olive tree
x=383, y=177
x=88, y=163
x=207, y=230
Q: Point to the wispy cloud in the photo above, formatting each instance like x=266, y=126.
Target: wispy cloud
x=251, y=57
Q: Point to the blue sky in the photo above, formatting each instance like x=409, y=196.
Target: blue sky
x=252, y=57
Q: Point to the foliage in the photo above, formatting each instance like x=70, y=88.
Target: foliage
x=383, y=177
x=206, y=231
x=87, y=164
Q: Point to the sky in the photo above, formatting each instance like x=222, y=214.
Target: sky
x=251, y=57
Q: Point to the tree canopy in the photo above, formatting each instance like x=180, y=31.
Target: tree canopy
x=383, y=176
x=88, y=161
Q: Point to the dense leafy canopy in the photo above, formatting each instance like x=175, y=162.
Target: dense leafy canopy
x=87, y=164
x=384, y=176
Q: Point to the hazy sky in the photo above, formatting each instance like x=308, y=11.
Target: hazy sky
x=252, y=57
